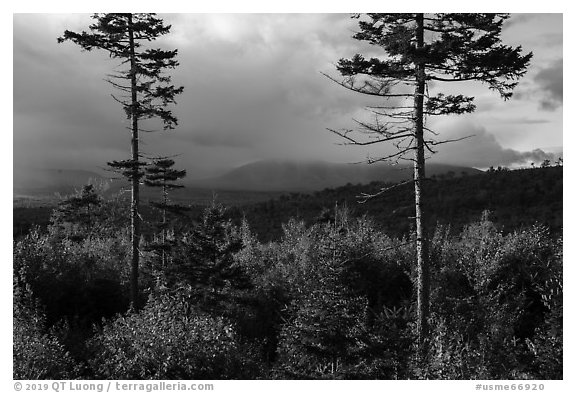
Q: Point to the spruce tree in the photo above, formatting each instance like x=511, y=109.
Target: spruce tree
x=204, y=264
x=75, y=215
x=420, y=53
x=161, y=174
x=146, y=92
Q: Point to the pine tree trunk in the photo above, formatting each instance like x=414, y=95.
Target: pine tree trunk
x=423, y=270
x=135, y=207
x=165, y=201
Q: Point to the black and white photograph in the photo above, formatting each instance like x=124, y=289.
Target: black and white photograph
x=287, y=196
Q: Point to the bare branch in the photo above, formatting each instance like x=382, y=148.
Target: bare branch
x=118, y=86
x=389, y=157
x=161, y=157
x=437, y=78
x=435, y=143
x=352, y=141
x=427, y=146
x=365, y=197
x=412, y=160
x=373, y=90
x=431, y=131
x=111, y=170
x=121, y=75
x=390, y=107
x=124, y=103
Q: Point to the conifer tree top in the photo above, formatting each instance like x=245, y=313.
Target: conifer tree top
x=457, y=47
x=426, y=51
x=115, y=33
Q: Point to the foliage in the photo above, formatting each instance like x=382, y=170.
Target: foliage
x=546, y=346
x=516, y=198
x=37, y=354
x=333, y=299
x=203, y=264
x=421, y=50
x=170, y=339
x=72, y=279
x=319, y=277
x=496, y=294
x=76, y=214
x=328, y=338
x=161, y=174
x=86, y=215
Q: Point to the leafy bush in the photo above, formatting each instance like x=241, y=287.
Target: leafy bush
x=169, y=339
x=328, y=339
x=330, y=300
x=345, y=277
x=36, y=353
x=494, y=310
x=84, y=279
x=546, y=346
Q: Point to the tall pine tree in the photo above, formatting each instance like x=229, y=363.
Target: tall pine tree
x=420, y=49
x=146, y=92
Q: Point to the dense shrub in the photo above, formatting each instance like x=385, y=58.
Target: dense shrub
x=496, y=308
x=84, y=279
x=333, y=299
x=87, y=215
x=322, y=340
x=327, y=339
x=37, y=354
x=77, y=282
x=342, y=278
x=370, y=263
x=170, y=339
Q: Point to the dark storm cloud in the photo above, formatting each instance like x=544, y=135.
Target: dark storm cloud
x=545, y=86
x=63, y=113
x=254, y=82
x=215, y=138
x=550, y=81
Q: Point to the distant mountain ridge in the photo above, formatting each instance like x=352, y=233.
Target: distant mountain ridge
x=316, y=175
x=276, y=176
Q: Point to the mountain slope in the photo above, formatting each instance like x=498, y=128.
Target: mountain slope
x=314, y=176
x=514, y=198
x=258, y=176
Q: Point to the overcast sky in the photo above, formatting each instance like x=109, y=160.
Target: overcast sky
x=254, y=90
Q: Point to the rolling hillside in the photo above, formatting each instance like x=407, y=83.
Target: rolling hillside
x=315, y=176
x=515, y=198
